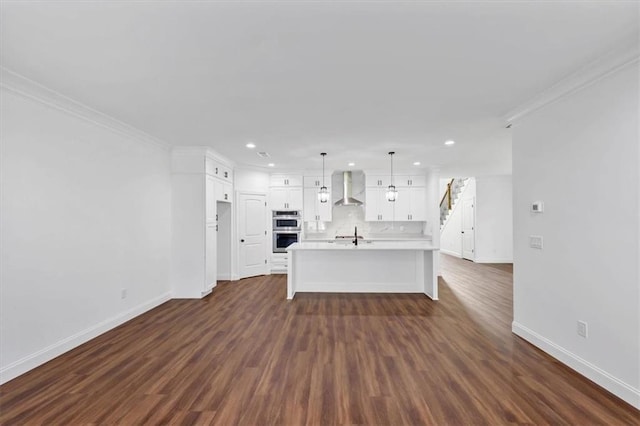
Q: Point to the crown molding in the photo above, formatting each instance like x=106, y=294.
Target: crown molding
x=203, y=151
x=596, y=70
x=30, y=89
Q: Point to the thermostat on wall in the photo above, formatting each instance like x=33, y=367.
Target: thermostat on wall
x=537, y=207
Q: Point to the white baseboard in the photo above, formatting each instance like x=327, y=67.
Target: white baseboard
x=38, y=358
x=614, y=385
x=450, y=253
x=224, y=277
x=496, y=260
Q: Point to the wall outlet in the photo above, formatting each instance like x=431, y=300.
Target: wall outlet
x=583, y=329
x=123, y=293
x=535, y=241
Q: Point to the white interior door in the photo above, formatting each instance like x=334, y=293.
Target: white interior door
x=252, y=231
x=468, y=228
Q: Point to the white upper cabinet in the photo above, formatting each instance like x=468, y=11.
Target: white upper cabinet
x=285, y=180
x=382, y=180
x=410, y=205
x=223, y=191
x=316, y=181
x=409, y=180
x=219, y=170
x=376, y=180
x=315, y=210
x=283, y=198
x=222, y=179
x=377, y=208
x=286, y=192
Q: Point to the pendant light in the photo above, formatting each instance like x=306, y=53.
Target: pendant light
x=392, y=193
x=323, y=195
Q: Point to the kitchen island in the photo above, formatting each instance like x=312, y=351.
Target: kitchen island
x=369, y=267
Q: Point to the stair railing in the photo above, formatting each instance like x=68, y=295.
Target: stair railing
x=447, y=195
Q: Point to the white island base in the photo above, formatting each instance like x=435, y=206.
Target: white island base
x=375, y=267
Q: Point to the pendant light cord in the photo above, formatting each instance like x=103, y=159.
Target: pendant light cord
x=391, y=154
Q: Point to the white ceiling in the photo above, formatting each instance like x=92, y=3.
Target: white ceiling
x=354, y=79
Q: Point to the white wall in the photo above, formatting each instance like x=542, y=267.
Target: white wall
x=579, y=155
x=494, y=219
x=85, y=213
x=248, y=180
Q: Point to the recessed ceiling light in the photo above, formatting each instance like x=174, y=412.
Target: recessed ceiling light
x=416, y=163
x=250, y=145
x=352, y=164
x=271, y=165
x=449, y=142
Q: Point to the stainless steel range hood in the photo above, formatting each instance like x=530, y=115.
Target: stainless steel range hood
x=347, y=198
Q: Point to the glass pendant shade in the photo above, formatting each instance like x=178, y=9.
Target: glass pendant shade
x=392, y=193
x=323, y=195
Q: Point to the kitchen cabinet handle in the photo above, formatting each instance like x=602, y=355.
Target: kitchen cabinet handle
x=226, y=196
x=226, y=174
x=242, y=241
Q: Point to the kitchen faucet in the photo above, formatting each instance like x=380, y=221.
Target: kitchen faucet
x=355, y=234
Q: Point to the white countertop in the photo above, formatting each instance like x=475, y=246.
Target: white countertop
x=363, y=245
x=325, y=238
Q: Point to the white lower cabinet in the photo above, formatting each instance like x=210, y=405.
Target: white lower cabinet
x=313, y=209
x=279, y=263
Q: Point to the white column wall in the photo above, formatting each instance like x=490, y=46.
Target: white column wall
x=494, y=219
x=580, y=156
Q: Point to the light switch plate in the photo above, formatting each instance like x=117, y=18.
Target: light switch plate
x=537, y=207
x=535, y=241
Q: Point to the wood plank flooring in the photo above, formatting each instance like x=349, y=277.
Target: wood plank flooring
x=245, y=355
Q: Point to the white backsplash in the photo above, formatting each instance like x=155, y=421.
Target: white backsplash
x=346, y=218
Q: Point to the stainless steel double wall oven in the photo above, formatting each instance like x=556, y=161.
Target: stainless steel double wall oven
x=287, y=226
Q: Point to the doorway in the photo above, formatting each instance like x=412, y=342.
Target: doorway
x=468, y=228
x=252, y=235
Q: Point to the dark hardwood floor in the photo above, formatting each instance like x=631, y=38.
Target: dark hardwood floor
x=245, y=355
